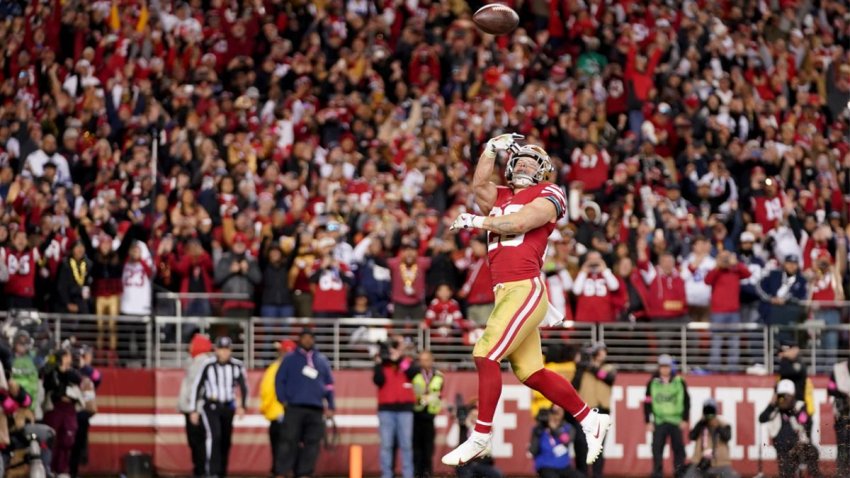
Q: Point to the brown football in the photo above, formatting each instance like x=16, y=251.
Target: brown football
x=496, y=19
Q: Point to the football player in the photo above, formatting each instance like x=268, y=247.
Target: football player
x=519, y=218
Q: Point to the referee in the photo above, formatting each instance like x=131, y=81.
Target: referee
x=215, y=394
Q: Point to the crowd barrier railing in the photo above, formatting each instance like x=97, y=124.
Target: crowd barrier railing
x=352, y=343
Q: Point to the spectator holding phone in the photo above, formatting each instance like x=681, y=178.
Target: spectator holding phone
x=725, y=282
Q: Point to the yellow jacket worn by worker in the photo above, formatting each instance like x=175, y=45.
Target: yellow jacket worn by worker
x=270, y=407
x=428, y=388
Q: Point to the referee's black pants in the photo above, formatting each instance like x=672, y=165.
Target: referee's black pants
x=196, y=437
x=303, y=429
x=218, y=421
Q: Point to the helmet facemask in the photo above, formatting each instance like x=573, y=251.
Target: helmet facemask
x=535, y=153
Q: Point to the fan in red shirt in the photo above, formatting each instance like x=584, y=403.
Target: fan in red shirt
x=590, y=165
x=444, y=313
x=826, y=289
x=768, y=205
x=665, y=288
x=725, y=282
x=18, y=265
x=594, y=287
x=477, y=290
x=331, y=281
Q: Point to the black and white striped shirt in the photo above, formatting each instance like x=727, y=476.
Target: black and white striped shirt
x=217, y=383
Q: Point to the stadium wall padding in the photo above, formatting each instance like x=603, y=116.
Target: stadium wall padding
x=137, y=411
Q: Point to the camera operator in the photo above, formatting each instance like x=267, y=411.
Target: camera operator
x=594, y=380
x=839, y=390
x=483, y=467
x=787, y=421
x=711, y=436
x=550, y=440
x=393, y=374
x=792, y=368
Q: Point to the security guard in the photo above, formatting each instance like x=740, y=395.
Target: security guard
x=428, y=386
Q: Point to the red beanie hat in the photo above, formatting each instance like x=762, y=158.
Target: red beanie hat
x=200, y=344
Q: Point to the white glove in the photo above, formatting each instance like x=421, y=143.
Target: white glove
x=467, y=221
x=503, y=142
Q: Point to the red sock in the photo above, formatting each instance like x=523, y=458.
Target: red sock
x=489, y=390
x=559, y=391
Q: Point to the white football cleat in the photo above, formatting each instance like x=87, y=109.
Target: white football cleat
x=476, y=446
x=595, y=427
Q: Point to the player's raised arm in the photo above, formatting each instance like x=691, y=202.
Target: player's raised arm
x=484, y=189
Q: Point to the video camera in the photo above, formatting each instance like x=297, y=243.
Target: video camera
x=385, y=347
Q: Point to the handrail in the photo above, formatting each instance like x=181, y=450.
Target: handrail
x=203, y=295
x=155, y=341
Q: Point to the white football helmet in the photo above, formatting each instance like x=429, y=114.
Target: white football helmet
x=539, y=155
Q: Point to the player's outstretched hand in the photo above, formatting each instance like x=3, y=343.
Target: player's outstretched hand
x=504, y=142
x=467, y=221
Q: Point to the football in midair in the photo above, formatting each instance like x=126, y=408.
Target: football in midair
x=496, y=19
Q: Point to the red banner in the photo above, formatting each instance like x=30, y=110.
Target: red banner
x=137, y=411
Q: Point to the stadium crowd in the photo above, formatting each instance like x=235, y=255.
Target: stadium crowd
x=311, y=155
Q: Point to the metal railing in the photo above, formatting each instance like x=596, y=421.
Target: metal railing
x=162, y=341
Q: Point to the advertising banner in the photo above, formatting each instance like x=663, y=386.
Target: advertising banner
x=137, y=411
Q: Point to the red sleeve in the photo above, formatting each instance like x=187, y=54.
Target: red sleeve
x=182, y=267
x=653, y=62
x=743, y=271
x=147, y=268
x=630, y=61
x=712, y=275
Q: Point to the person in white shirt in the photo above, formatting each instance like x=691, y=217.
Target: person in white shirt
x=694, y=270
x=138, y=274
x=36, y=161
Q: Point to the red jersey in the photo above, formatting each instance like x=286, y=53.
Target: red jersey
x=520, y=256
x=590, y=169
x=477, y=288
x=444, y=314
x=22, y=266
x=824, y=288
x=768, y=211
x=330, y=293
x=595, y=301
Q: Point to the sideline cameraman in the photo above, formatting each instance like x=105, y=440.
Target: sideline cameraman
x=483, y=467
x=839, y=390
x=393, y=374
x=550, y=445
x=711, y=436
x=594, y=381
x=787, y=419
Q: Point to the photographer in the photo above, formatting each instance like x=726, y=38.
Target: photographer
x=711, y=437
x=787, y=419
x=790, y=367
x=483, y=467
x=594, y=381
x=393, y=374
x=839, y=390
x=550, y=441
